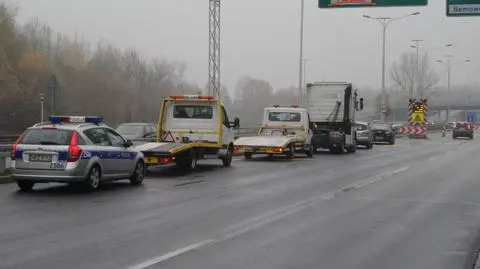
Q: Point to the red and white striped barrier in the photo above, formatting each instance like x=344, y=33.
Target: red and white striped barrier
x=413, y=130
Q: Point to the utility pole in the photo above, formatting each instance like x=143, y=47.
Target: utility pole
x=304, y=84
x=417, y=76
x=300, y=71
x=52, y=85
x=42, y=101
x=214, y=49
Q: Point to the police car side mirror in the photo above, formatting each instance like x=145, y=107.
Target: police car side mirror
x=128, y=143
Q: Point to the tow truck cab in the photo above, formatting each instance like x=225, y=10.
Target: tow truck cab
x=191, y=127
x=285, y=131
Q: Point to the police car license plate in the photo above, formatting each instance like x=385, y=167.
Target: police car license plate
x=40, y=158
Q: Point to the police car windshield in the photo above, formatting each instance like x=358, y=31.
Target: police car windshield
x=284, y=116
x=130, y=129
x=46, y=137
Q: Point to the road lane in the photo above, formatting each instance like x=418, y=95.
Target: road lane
x=256, y=206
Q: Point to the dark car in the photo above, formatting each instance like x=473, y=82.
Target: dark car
x=383, y=132
x=463, y=129
x=137, y=131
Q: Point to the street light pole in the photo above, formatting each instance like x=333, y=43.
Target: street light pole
x=417, y=46
x=304, y=84
x=300, y=75
x=385, y=21
x=449, y=77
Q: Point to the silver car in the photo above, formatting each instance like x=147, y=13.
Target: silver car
x=74, y=150
x=364, y=135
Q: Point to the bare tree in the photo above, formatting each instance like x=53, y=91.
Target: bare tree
x=414, y=78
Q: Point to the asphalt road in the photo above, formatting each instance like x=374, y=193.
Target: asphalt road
x=412, y=205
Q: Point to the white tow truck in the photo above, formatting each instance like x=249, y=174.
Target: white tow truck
x=285, y=131
x=191, y=127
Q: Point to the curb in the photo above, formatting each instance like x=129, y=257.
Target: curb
x=4, y=179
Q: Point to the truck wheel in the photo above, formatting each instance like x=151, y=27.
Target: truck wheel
x=310, y=151
x=338, y=150
x=370, y=145
x=392, y=142
x=248, y=155
x=352, y=148
x=188, y=163
x=291, y=154
x=227, y=160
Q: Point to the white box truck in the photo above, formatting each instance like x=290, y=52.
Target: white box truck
x=332, y=107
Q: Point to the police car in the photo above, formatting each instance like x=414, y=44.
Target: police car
x=73, y=149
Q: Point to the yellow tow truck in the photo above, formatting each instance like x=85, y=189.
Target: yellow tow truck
x=190, y=128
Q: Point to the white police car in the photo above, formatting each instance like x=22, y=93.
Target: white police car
x=73, y=149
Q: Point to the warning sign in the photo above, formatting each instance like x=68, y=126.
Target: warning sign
x=418, y=117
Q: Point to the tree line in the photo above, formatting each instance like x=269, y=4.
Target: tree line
x=120, y=85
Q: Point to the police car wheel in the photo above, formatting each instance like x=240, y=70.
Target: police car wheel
x=93, y=179
x=139, y=174
x=25, y=185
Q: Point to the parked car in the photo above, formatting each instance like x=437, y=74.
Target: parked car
x=137, y=131
x=364, y=135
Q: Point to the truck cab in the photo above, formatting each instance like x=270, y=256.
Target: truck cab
x=191, y=127
x=284, y=131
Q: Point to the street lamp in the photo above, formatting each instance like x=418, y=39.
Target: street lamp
x=300, y=72
x=304, y=84
x=449, y=75
x=426, y=51
x=385, y=21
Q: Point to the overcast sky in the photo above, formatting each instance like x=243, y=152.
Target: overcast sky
x=260, y=38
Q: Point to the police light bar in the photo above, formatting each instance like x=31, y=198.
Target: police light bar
x=75, y=119
x=191, y=97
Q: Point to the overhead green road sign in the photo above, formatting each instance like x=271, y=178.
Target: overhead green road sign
x=458, y=8
x=370, y=3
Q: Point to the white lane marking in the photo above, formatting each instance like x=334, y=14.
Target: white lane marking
x=432, y=158
x=170, y=255
x=262, y=220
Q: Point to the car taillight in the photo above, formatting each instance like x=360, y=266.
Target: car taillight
x=13, y=156
x=74, y=152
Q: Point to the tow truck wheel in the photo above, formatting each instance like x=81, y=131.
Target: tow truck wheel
x=227, y=160
x=188, y=162
x=248, y=155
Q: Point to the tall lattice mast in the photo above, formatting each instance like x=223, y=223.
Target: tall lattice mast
x=214, y=49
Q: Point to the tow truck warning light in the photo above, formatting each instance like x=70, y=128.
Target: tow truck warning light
x=191, y=97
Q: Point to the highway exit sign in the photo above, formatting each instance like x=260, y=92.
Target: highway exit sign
x=370, y=3
x=459, y=8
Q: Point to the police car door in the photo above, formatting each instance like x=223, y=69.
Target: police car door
x=123, y=158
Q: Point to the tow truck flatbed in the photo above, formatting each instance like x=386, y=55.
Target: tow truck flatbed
x=265, y=144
